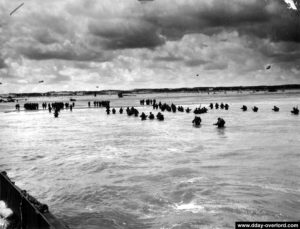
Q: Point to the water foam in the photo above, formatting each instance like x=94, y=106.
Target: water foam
x=5, y=212
x=190, y=207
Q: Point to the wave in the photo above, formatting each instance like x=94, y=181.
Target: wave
x=191, y=207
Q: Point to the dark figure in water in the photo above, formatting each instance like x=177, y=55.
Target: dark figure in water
x=136, y=112
x=71, y=107
x=203, y=110
x=113, y=111
x=222, y=106
x=200, y=110
x=244, y=108
x=226, y=106
x=173, y=107
x=128, y=111
x=168, y=108
x=276, y=109
x=49, y=108
x=121, y=110
x=196, y=121
x=159, y=116
x=31, y=106
x=180, y=108
x=56, y=113
x=89, y=103
x=107, y=110
x=295, y=111
x=188, y=110
x=211, y=105
x=143, y=116
x=220, y=123
x=151, y=116
x=17, y=107
x=255, y=109
x=217, y=106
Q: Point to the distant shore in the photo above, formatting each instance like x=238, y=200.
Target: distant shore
x=270, y=88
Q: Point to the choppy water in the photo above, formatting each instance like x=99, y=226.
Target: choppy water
x=100, y=171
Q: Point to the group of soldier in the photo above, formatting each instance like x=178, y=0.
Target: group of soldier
x=222, y=106
x=294, y=111
x=100, y=103
x=29, y=106
x=172, y=108
x=57, y=106
x=134, y=112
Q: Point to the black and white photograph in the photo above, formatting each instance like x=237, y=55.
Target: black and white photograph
x=149, y=114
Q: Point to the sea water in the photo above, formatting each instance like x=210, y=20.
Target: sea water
x=113, y=171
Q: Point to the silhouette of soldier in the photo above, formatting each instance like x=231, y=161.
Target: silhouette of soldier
x=196, y=121
x=220, y=123
x=143, y=116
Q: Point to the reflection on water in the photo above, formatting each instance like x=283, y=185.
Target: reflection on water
x=119, y=172
x=221, y=132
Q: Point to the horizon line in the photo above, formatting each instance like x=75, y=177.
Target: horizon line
x=279, y=86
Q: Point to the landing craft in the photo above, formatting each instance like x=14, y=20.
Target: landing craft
x=16, y=8
x=41, y=81
x=268, y=67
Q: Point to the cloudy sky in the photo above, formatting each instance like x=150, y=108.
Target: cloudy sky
x=126, y=44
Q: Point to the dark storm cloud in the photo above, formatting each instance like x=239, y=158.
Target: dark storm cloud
x=120, y=34
x=40, y=54
x=2, y=63
x=199, y=17
x=45, y=37
x=283, y=54
x=129, y=28
x=51, y=21
x=286, y=57
x=216, y=66
x=61, y=52
x=195, y=62
x=163, y=40
x=265, y=19
x=170, y=58
x=285, y=27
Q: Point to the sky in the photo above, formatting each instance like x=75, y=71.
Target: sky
x=127, y=44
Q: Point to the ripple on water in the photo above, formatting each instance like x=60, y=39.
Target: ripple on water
x=118, y=172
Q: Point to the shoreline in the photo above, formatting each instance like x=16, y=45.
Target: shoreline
x=239, y=89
